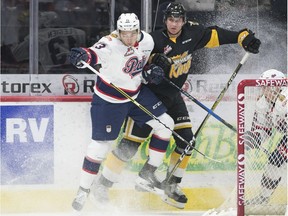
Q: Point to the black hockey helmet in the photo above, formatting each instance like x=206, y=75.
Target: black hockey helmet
x=174, y=9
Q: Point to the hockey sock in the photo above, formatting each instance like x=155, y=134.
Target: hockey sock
x=179, y=172
x=89, y=171
x=157, y=150
x=113, y=167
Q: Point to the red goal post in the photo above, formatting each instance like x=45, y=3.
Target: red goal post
x=252, y=163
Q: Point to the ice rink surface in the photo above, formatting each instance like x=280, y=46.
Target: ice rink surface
x=184, y=213
x=199, y=180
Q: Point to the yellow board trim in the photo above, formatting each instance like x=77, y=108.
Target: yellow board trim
x=59, y=200
x=33, y=201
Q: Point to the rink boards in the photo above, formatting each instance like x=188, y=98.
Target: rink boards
x=52, y=200
x=43, y=142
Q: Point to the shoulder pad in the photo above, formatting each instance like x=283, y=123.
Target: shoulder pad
x=191, y=23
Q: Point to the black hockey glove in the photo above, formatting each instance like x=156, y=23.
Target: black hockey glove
x=78, y=54
x=153, y=74
x=248, y=41
x=161, y=60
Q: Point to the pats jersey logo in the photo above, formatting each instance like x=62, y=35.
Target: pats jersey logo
x=134, y=66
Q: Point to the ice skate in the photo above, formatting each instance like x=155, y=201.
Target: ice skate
x=80, y=199
x=147, y=181
x=174, y=196
x=100, y=193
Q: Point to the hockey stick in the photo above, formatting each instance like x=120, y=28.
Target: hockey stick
x=209, y=111
x=221, y=95
x=219, y=98
x=201, y=105
x=144, y=109
x=156, y=13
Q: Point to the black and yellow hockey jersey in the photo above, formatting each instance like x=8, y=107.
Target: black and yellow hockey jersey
x=192, y=37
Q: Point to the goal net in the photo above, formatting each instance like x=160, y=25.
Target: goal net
x=262, y=147
x=262, y=150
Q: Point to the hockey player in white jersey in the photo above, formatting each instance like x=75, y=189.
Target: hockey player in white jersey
x=121, y=58
x=270, y=112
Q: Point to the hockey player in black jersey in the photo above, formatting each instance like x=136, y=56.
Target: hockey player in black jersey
x=177, y=40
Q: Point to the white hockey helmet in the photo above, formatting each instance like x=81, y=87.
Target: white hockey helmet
x=128, y=22
x=273, y=91
x=272, y=74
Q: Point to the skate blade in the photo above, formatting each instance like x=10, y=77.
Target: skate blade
x=172, y=202
x=140, y=189
x=144, y=186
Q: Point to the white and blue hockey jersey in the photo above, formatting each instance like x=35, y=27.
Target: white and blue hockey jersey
x=120, y=65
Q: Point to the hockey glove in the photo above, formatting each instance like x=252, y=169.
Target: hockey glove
x=248, y=41
x=153, y=74
x=78, y=54
x=252, y=140
x=161, y=60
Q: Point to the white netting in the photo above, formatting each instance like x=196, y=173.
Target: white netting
x=216, y=212
x=262, y=120
x=265, y=150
